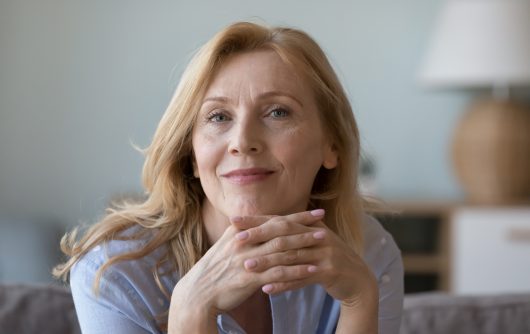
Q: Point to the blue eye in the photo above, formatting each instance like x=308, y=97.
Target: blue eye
x=218, y=117
x=278, y=112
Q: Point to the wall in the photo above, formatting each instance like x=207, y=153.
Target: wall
x=82, y=80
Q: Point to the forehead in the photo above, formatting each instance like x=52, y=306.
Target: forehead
x=257, y=72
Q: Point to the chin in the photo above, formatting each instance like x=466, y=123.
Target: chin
x=261, y=206
x=248, y=211
x=251, y=208
x=261, y=210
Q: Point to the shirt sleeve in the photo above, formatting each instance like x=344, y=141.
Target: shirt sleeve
x=117, y=309
x=391, y=292
x=383, y=257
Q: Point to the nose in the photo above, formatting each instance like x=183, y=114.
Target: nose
x=246, y=137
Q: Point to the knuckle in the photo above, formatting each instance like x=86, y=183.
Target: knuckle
x=256, y=232
x=329, y=269
x=301, y=271
x=283, y=226
x=278, y=244
x=276, y=219
x=241, y=281
x=278, y=273
x=308, y=238
x=291, y=256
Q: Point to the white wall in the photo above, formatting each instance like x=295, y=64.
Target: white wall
x=81, y=80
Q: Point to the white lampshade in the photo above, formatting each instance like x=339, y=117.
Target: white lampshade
x=480, y=43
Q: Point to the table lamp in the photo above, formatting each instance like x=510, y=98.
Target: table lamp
x=486, y=44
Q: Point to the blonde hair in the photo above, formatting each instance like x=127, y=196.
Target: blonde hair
x=172, y=208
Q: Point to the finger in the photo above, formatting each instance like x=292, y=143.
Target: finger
x=290, y=242
x=287, y=273
x=278, y=287
x=281, y=225
x=309, y=255
x=306, y=217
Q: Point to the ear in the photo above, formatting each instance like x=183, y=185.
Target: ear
x=331, y=158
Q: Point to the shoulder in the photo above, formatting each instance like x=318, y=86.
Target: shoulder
x=126, y=288
x=101, y=253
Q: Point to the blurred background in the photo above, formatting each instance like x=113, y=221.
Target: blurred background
x=81, y=82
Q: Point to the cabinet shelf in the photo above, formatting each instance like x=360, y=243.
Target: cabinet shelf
x=423, y=264
x=421, y=231
x=441, y=250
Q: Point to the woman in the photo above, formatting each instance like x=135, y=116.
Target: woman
x=252, y=222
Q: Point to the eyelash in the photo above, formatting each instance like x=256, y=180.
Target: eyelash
x=214, y=114
x=279, y=108
x=220, y=113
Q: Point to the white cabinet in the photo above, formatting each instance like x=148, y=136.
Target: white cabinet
x=489, y=250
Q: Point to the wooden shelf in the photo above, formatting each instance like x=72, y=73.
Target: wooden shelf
x=426, y=233
x=423, y=264
x=421, y=230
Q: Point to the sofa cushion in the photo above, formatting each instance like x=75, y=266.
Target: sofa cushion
x=42, y=309
x=443, y=313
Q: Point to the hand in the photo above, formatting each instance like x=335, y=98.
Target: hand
x=335, y=265
x=219, y=281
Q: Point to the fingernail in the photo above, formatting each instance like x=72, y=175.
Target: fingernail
x=236, y=219
x=312, y=269
x=267, y=288
x=250, y=263
x=318, y=212
x=242, y=235
x=319, y=235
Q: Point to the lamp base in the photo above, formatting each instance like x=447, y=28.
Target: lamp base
x=491, y=152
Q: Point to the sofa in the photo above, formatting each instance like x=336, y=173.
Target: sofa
x=47, y=309
x=37, y=308
x=438, y=313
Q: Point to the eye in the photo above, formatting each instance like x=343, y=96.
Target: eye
x=218, y=117
x=279, y=112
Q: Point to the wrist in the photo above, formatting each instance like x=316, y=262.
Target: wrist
x=360, y=314
x=190, y=319
x=190, y=315
x=361, y=318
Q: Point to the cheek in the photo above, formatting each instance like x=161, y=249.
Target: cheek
x=303, y=154
x=204, y=153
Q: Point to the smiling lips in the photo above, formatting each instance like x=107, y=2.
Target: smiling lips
x=247, y=176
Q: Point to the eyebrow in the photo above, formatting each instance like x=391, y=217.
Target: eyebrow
x=260, y=97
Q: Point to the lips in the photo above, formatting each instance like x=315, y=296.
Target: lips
x=247, y=175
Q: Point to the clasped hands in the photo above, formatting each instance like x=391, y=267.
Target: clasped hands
x=276, y=254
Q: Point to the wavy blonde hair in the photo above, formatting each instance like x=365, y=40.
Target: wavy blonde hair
x=172, y=208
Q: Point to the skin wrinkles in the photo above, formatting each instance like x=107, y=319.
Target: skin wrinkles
x=258, y=143
x=262, y=96
x=257, y=112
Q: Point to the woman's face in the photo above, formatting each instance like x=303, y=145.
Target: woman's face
x=258, y=141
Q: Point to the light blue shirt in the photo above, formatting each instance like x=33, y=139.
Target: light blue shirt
x=129, y=299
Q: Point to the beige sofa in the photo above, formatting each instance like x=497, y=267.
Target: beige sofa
x=48, y=309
